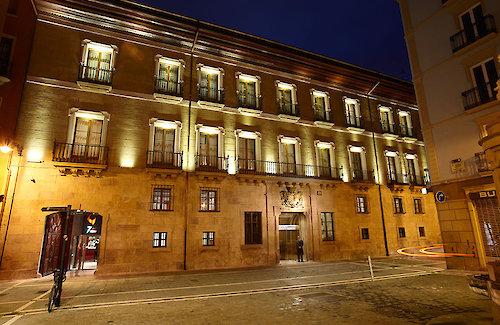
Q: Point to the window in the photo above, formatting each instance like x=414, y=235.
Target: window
x=365, y=234
x=484, y=77
x=412, y=170
x=352, y=113
x=398, y=205
x=210, y=154
x=417, y=203
x=357, y=162
x=210, y=84
x=168, y=76
x=159, y=239
x=253, y=228
x=401, y=232
x=6, y=44
x=405, y=124
x=12, y=7
x=289, y=155
x=327, y=232
x=97, y=62
x=208, y=200
x=246, y=153
x=393, y=168
x=325, y=157
x=321, y=105
x=386, y=120
x=286, y=99
x=248, y=91
x=162, y=199
x=164, y=144
x=421, y=231
x=208, y=238
x=361, y=204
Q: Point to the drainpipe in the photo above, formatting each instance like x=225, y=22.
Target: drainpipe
x=267, y=225
x=377, y=168
x=10, y=213
x=186, y=192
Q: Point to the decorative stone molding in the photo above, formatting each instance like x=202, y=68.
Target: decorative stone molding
x=292, y=197
x=75, y=171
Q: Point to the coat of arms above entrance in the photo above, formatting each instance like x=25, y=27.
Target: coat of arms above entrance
x=291, y=197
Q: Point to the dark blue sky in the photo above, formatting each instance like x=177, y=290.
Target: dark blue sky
x=367, y=33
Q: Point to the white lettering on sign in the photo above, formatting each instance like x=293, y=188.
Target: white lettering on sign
x=288, y=227
x=485, y=194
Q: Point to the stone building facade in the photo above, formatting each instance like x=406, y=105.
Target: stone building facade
x=453, y=47
x=202, y=147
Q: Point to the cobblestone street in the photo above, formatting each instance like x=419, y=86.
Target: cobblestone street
x=403, y=291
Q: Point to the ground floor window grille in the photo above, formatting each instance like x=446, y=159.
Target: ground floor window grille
x=327, y=226
x=208, y=238
x=253, y=228
x=159, y=239
x=488, y=213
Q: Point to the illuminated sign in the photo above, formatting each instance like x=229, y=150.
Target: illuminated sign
x=440, y=197
x=91, y=224
x=483, y=195
x=288, y=227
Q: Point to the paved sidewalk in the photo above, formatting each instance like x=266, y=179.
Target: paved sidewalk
x=404, y=291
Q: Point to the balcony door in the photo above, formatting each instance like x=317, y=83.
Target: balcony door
x=405, y=124
x=485, y=77
x=386, y=121
x=324, y=162
x=209, y=86
x=207, y=150
x=247, y=93
x=320, y=107
x=168, y=77
x=289, y=158
x=98, y=65
x=352, y=112
x=246, y=154
x=285, y=100
x=472, y=23
x=411, y=168
x=391, y=168
x=163, y=146
x=87, y=138
x=356, y=165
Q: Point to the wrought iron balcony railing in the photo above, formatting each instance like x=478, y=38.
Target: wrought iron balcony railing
x=259, y=167
x=479, y=95
x=388, y=127
x=211, y=163
x=406, y=131
x=169, y=87
x=359, y=175
x=95, y=75
x=481, y=162
x=211, y=95
x=248, y=101
x=416, y=180
x=480, y=29
x=321, y=115
x=354, y=121
x=79, y=153
x=164, y=160
x=395, y=178
x=288, y=108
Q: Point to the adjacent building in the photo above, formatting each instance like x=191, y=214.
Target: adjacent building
x=193, y=146
x=454, y=50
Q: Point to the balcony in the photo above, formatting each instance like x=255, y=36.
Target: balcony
x=210, y=95
x=482, y=164
x=211, y=163
x=248, y=101
x=258, y=167
x=479, y=30
x=79, y=153
x=288, y=110
x=479, y=95
x=320, y=115
x=388, y=127
x=407, y=132
x=164, y=160
x=358, y=175
x=95, y=75
x=168, y=87
x=397, y=179
x=355, y=123
x=416, y=180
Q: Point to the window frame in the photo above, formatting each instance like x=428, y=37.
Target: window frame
x=161, y=242
x=11, y=54
x=216, y=198
x=365, y=202
x=255, y=237
x=240, y=76
x=421, y=232
x=363, y=233
x=421, y=205
x=398, y=209
x=170, y=196
x=207, y=240
x=401, y=232
x=327, y=234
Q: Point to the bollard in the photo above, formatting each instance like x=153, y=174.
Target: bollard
x=371, y=267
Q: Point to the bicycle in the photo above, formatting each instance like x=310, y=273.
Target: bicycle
x=55, y=292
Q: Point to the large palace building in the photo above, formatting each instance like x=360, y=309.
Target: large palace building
x=202, y=147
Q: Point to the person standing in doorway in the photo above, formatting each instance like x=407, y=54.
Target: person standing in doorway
x=300, y=249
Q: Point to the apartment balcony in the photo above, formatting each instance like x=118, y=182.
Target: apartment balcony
x=211, y=96
x=288, y=111
x=479, y=95
x=96, y=76
x=250, y=104
x=211, y=163
x=389, y=130
x=358, y=175
x=164, y=160
x=258, y=167
x=79, y=159
x=416, y=180
x=397, y=179
x=169, y=87
x=479, y=30
x=355, y=123
x=407, y=132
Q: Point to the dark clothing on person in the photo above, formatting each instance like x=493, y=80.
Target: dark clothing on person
x=300, y=250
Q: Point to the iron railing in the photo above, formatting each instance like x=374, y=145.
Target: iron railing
x=164, y=160
x=288, y=108
x=354, y=121
x=388, y=127
x=359, y=175
x=486, y=25
x=95, y=75
x=248, y=101
x=479, y=95
x=211, y=163
x=395, y=178
x=260, y=167
x=321, y=115
x=481, y=162
x=406, y=131
x=169, y=87
x=211, y=95
x=79, y=153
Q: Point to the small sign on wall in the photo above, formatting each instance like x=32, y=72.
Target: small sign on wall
x=457, y=165
x=288, y=227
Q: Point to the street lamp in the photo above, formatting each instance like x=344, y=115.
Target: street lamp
x=8, y=147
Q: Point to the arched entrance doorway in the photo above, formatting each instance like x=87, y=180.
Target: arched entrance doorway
x=292, y=225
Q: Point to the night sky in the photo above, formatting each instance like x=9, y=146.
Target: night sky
x=367, y=33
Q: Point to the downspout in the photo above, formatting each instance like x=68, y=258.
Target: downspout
x=267, y=226
x=377, y=169
x=10, y=214
x=186, y=193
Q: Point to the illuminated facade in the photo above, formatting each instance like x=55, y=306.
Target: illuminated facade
x=209, y=148
x=454, y=49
